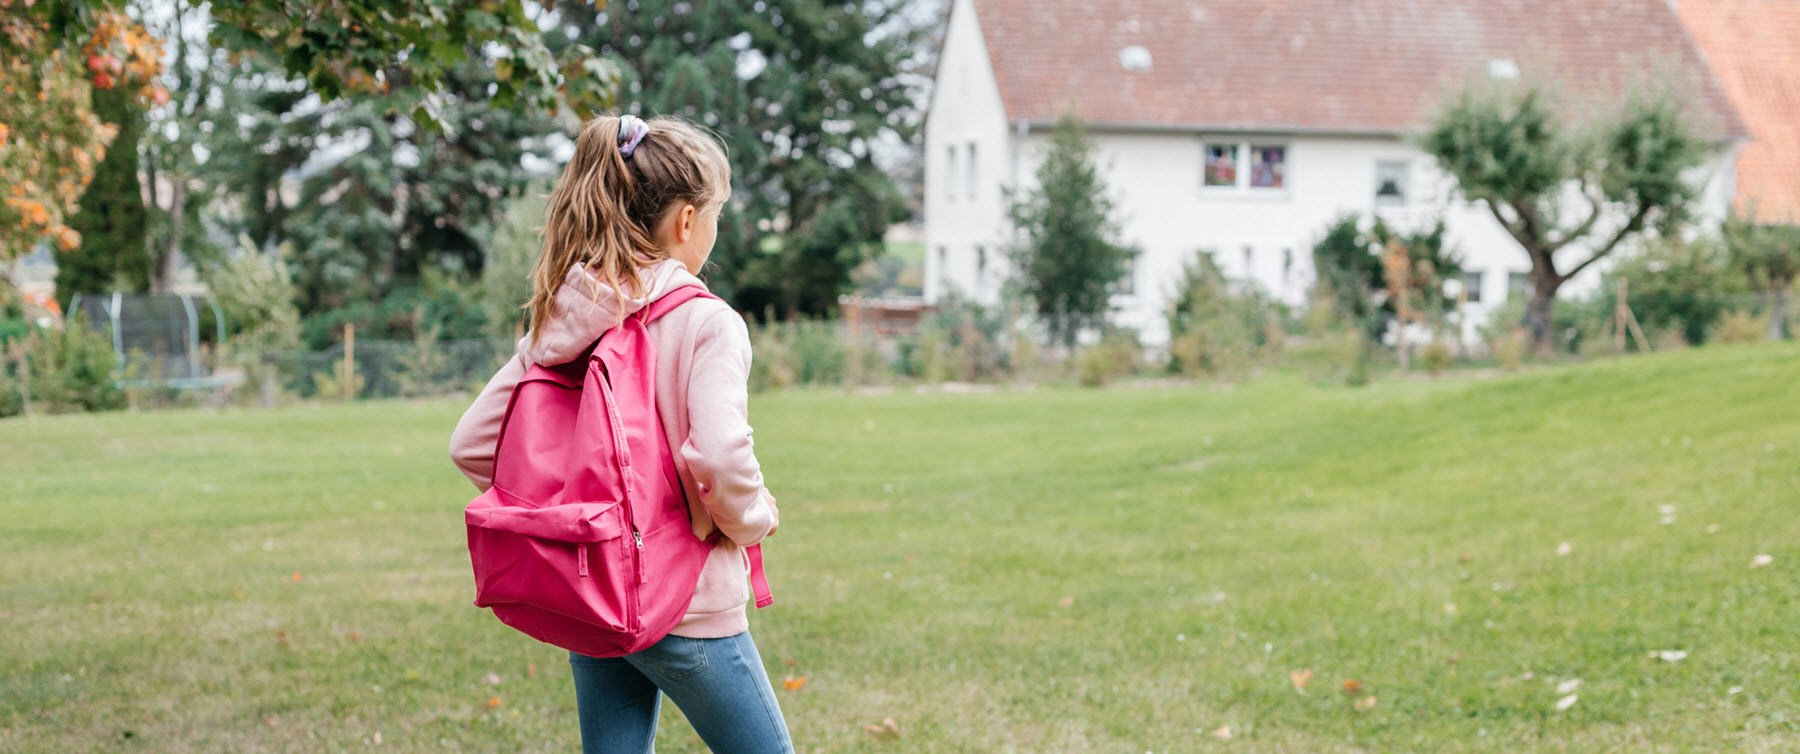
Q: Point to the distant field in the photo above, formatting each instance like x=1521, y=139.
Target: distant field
x=1036, y=571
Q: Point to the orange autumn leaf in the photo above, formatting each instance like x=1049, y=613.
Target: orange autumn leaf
x=793, y=683
x=888, y=730
x=493, y=702
x=295, y=577
x=1353, y=687
x=1300, y=678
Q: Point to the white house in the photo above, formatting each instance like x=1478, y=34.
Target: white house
x=1242, y=128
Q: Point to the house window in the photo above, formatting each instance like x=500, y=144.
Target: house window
x=972, y=190
x=950, y=172
x=1518, y=284
x=1471, y=283
x=1268, y=167
x=1221, y=164
x=1390, y=184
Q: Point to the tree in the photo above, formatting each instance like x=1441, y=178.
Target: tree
x=111, y=220
x=1768, y=255
x=1512, y=149
x=801, y=92
x=369, y=200
x=53, y=57
x=1066, y=259
x=53, y=53
x=1353, y=279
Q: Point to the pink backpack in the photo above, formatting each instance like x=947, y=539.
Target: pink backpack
x=584, y=541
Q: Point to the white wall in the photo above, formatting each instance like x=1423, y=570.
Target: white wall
x=965, y=110
x=1155, y=180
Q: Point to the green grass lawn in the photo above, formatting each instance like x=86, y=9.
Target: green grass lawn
x=1055, y=570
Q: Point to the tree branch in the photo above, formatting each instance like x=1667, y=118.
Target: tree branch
x=1586, y=226
x=1635, y=224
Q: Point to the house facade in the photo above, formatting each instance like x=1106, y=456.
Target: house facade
x=1249, y=153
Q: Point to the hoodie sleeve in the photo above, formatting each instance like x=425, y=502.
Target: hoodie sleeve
x=477, y=435
x=719, y=449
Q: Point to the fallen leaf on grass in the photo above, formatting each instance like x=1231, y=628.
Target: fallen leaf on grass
x=1353, y=687
x=491, y=679
x=1568, y=686
x=1762, y=561
x=1365, y=704
x=272, y=721
x=531, y=670
x=281, y=637
x=793, y=682
x=295, y=577
x=1734, y=691
x=1300, y=678
x=1566, y=702
x=493, y=702
x=1067, y=601
x=1564, y=549
x=1223, y=733
x=888, y=730
x=790, y=662
x=1669, y=655
x=1450, y=608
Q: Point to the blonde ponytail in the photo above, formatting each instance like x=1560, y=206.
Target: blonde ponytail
x=605, y=209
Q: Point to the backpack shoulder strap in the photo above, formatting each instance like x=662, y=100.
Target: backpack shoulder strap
x=672, y=299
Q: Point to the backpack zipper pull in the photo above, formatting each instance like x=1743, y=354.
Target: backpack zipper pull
x=635, y=534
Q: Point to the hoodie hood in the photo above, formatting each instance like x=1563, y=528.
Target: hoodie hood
x=584, y=307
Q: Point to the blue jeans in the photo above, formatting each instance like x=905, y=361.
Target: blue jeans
x=719, y=684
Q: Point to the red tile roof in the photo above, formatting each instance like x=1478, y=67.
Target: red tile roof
x=1753, y=46
x=1340, y=66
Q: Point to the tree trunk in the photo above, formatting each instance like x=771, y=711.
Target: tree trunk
x=1537, y=311
x=1778, y=312
x=168, y=266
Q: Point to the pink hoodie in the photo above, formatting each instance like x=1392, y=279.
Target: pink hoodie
x=702, y=378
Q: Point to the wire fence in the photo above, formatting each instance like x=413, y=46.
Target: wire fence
x=365, y=369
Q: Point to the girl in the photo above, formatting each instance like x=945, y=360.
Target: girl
x=633, y=217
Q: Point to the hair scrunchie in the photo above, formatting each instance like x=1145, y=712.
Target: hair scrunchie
x=632, y=130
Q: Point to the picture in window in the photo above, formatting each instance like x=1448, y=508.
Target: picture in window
x=1268, y=167
x=1390, y=183
x=1221, y=164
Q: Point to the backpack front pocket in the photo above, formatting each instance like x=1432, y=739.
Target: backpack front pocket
x=575, y=560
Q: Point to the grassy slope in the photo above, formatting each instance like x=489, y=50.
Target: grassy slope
x=1033, y=571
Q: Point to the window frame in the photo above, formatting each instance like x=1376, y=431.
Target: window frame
x=950, y=172
x=1404, y=183
x=1242, y=151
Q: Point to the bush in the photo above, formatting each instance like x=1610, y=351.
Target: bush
x=1116, y=355
x=804, y=352
x=1216, y=331
x=1739, y=327
x=959, y=340
x=61, y=370
x=1437, y=356
x=1675, y=285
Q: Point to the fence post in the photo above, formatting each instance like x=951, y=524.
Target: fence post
x=349, y=360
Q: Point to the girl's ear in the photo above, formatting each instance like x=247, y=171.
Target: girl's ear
x=684, y=223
